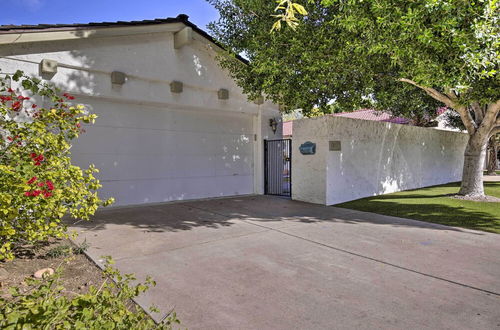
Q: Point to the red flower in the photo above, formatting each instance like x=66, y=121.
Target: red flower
x=32, y=180
x=10, y=138
x=10, y=90
x=34, y=106
x=27, y=193
x=36, y=192
x=78, y=125
x=22, y=98
x=41, y=184
x=68, y=96
x=5, y=98
x=49, y=184
x=47, y=194
x=37, y=158
x=16, y=105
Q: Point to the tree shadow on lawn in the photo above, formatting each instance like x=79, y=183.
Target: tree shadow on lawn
x=434, y=213
x=423, y=206
x=491, y=188
x=259, y=210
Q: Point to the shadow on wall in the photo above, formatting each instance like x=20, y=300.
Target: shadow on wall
x=230, y=159
x=263, y=210
x=377, y=160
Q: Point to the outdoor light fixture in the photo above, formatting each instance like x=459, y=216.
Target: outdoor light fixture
x=273, y=124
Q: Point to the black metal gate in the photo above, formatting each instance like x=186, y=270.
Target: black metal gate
x=278, y=167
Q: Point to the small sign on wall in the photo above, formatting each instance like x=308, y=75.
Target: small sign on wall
x=307, y=148
x=334, y=146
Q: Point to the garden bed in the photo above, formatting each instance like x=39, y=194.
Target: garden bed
x=78, y=274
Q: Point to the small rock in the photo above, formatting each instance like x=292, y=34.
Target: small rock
x=3, y=274
x=43, y=272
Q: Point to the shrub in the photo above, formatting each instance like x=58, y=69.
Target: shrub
x=38, y=183
x=45, y=305
x=66, y=250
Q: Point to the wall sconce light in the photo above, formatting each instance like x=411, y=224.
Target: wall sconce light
x=273, y=124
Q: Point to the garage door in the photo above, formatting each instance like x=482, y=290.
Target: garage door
x=148, y=154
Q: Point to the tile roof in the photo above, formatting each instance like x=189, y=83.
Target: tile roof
x=287, y=128
x=374, y=115
x=363, y=114
x=182, y=18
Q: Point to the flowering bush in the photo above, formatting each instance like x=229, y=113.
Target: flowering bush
x=38, y=183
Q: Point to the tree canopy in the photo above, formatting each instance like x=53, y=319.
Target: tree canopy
x=398, y=55
x=354, y=51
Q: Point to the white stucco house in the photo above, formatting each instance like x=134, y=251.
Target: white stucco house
x=172, y=124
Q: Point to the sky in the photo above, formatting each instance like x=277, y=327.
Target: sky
x=84, y=11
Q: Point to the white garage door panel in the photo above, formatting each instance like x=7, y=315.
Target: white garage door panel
x=123, y=115
x=164, y=155
x=165, y=190
x=133, y=167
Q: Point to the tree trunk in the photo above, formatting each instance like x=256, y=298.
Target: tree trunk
x=472, y=175
x=491, y=165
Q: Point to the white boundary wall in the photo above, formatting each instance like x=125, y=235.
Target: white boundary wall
x=375, y=158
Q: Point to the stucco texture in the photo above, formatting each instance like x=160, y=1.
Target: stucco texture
x=375, y=158
x=150, y=144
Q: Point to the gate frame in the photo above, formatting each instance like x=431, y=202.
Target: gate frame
x=266, y=175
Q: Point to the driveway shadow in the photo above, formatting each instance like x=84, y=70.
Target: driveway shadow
x=264, y=211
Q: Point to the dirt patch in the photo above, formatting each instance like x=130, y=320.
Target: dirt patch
x=490, y=199
x=78, y=272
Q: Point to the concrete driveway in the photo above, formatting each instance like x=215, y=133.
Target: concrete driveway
x=263, y=262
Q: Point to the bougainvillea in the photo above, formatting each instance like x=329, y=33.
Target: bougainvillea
x=38, y=183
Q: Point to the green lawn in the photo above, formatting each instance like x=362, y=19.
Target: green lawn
x=432, y=205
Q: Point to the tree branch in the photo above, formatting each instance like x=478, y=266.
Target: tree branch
x=494, y=131
x=493, y=111
x=478, y=112
x=432, y=92
x=491, y=117
x=451, y=100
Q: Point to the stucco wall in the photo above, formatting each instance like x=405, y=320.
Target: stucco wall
x=150, y=144
x=375, y=158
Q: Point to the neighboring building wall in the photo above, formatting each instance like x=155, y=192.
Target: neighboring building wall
x=150, y=144
x=375, y=158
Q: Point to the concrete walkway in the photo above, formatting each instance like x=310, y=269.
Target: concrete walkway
x=491, y=178
x=264, y=262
